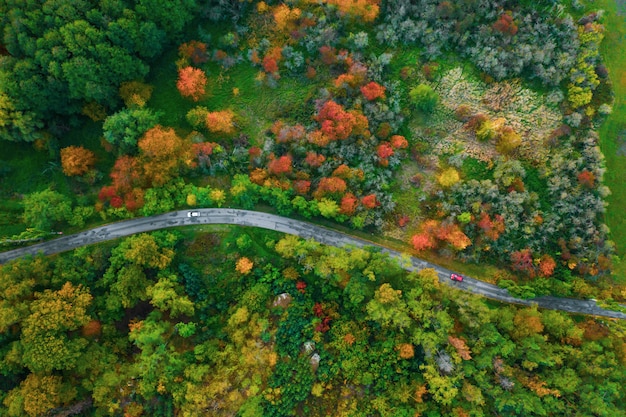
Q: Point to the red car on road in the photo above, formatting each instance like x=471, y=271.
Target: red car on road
x=456, y=277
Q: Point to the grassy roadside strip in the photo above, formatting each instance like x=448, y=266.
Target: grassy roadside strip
x=615, y=178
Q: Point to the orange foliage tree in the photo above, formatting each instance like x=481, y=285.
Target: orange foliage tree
x=348, y=205
x=161, y=152
x=373, y=90
x=369, y=201
x=76, y=160
x=330, y=185
x=546, y=266
x=221, y=121
x=191, y=83
x=432, y=232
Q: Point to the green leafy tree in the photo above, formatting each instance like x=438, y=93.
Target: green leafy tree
x=125, y=127
x=45, y=208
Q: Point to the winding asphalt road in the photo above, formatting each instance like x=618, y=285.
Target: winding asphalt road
x=298, y=228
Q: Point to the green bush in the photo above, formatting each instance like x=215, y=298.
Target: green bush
x=424, y=98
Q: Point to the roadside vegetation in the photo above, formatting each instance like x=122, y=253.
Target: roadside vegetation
x=237, y=321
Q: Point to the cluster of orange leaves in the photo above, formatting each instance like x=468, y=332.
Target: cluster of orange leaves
x=330, y=185
x=244, y=265
x=432, y=232
x=221, y=121
x=372, y=91
x=191, y=83
x=76, y=160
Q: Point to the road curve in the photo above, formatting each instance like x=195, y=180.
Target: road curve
x=301, y=229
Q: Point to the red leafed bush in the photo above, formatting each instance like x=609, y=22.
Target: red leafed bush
x=373, y=90
x=586, y=179
x=337, y=123
x=191, y=83
x=301, y=286
x=369, y=201
x=106, y=193
x=302, y=186
x=505, y=24
x=270, y=65
x=116, y=201
x=546, y=266
x=349, y=203
x=384, y=150
x=522, y=260
x=399, y=142
x=282, y=165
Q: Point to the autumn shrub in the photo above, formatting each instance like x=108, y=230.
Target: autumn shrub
x=76, y=160
x=192, y=83
x=221, y=121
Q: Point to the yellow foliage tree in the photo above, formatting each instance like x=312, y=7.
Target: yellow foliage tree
x=448, y=178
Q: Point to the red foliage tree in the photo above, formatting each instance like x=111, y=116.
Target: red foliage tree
x=302, y=186
x=337, y=123
x=586, y=179
x=505, y=24
x=191, y=83
x=126, y=174
x=134, y=200
x=369, y=201
x=348, y=205
x=384, y=150
x=282, y=165
x=522, y=260
x=270, y=65
x=373, y=91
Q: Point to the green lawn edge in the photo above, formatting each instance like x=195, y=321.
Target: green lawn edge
x=612, y=50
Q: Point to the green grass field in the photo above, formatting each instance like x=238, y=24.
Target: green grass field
x=615, y=127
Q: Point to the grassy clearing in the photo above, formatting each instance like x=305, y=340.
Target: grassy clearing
x=614, y=128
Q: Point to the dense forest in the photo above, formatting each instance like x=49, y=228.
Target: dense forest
x=469, y=132
x=241, y=322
